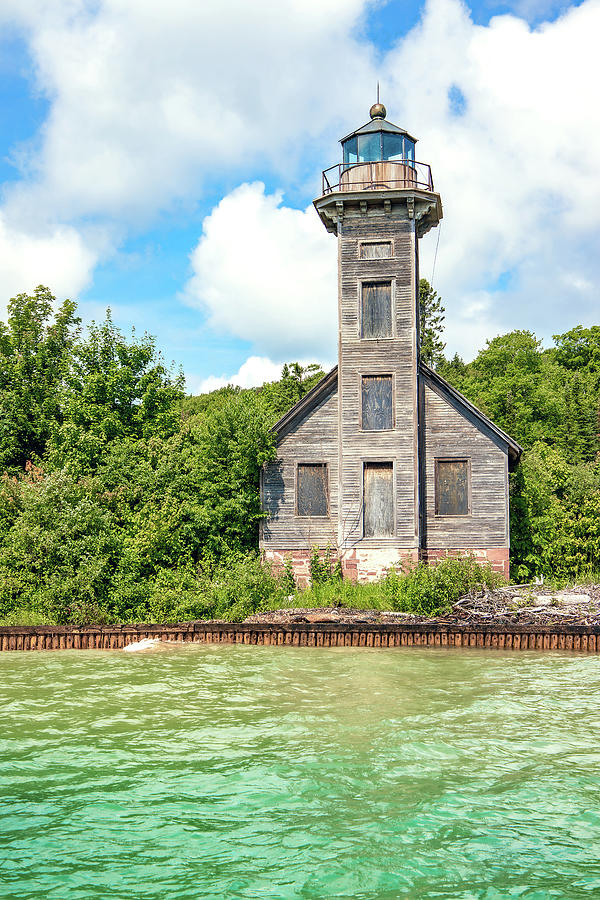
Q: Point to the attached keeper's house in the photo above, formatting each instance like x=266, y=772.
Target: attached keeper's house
x=383, y=460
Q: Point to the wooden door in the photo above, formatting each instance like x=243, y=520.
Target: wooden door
x=378, y=498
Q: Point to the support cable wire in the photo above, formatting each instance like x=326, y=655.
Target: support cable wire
x=437, y=244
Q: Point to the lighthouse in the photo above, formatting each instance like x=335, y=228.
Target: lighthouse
x=383, y=462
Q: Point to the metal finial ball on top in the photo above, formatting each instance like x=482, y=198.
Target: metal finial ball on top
x=378, y=111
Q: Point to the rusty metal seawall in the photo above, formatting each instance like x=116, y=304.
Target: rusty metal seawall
x=580, y=638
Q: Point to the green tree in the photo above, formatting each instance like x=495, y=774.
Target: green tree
x=518, y=386
x=116, y=389
x=555, y=516
x=431, y=325
x=36, y=346
x=579, y=348
x=577, y=352
x=59, y=556
x=453, y=370
x=296, y=381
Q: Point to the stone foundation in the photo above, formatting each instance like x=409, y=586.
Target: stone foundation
x=365, y=565
x=498, y=557
x=357, y=565
x=373, y=564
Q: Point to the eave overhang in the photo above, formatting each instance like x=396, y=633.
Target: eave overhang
x=424, y=206
x=306, y=404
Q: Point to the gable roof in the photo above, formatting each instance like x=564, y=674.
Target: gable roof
x=328, y=383
x=466, y=407
x=307, y=403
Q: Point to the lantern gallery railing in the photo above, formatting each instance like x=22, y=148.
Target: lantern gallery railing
x=387, y=174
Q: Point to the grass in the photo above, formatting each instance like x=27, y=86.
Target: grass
x=336, y=593
x=420, y=590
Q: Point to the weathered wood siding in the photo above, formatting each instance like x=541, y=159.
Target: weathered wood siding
x=394, y=356
x=378, y=255
x=312, y=439
x=449, y=433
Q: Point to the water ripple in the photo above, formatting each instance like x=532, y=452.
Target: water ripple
x=276, y=772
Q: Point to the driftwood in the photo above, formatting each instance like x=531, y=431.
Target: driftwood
x=532, y=604
x=523, y=604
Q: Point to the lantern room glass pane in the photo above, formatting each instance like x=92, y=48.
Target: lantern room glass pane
x=409, y=150
x=369, y=147
x=350, y=151
x=393, y=146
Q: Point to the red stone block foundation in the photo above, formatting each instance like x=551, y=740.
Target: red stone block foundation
x=364, y=565
x=498, y=557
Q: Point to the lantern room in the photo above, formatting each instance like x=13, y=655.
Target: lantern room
x=378, y=156
x=378, y=140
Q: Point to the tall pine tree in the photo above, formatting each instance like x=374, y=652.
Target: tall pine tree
x=431, y=325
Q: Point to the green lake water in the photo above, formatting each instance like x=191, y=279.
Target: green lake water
x=280, y=772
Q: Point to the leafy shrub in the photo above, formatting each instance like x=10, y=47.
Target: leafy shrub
x=288, y=580
x=25, y=616
x=342, y=593
x=426, y=590
x=555, y=516
x=324, y=569
x=240, y=586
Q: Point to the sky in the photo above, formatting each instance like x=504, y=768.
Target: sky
x=161, y=159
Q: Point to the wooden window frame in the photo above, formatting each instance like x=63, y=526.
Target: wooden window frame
x=361, y=244
x=311, y=462
x=446, y=459
x=371, y=374
x=378, y=279
x=366, y=460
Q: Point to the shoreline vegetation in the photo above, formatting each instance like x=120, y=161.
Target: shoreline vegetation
x=124, y=500
x=458, y=589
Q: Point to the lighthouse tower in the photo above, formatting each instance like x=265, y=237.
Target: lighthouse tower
x=379, y=201
x=383, y=461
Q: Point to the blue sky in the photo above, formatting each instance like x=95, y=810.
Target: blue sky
x=162, y=159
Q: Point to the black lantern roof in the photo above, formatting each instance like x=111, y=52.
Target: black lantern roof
x=378, y=122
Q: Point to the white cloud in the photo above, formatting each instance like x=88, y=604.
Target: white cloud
x=57, y=258
x=267, y=273
x=537, y=9
x=152, y=101
x=517, y=170
x=255, y=371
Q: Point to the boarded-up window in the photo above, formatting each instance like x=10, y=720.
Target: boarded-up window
x=312, y=489
x=376, y=250
x=378, y=492
x=376, y=313
x=377, y=402
x=451, y=487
